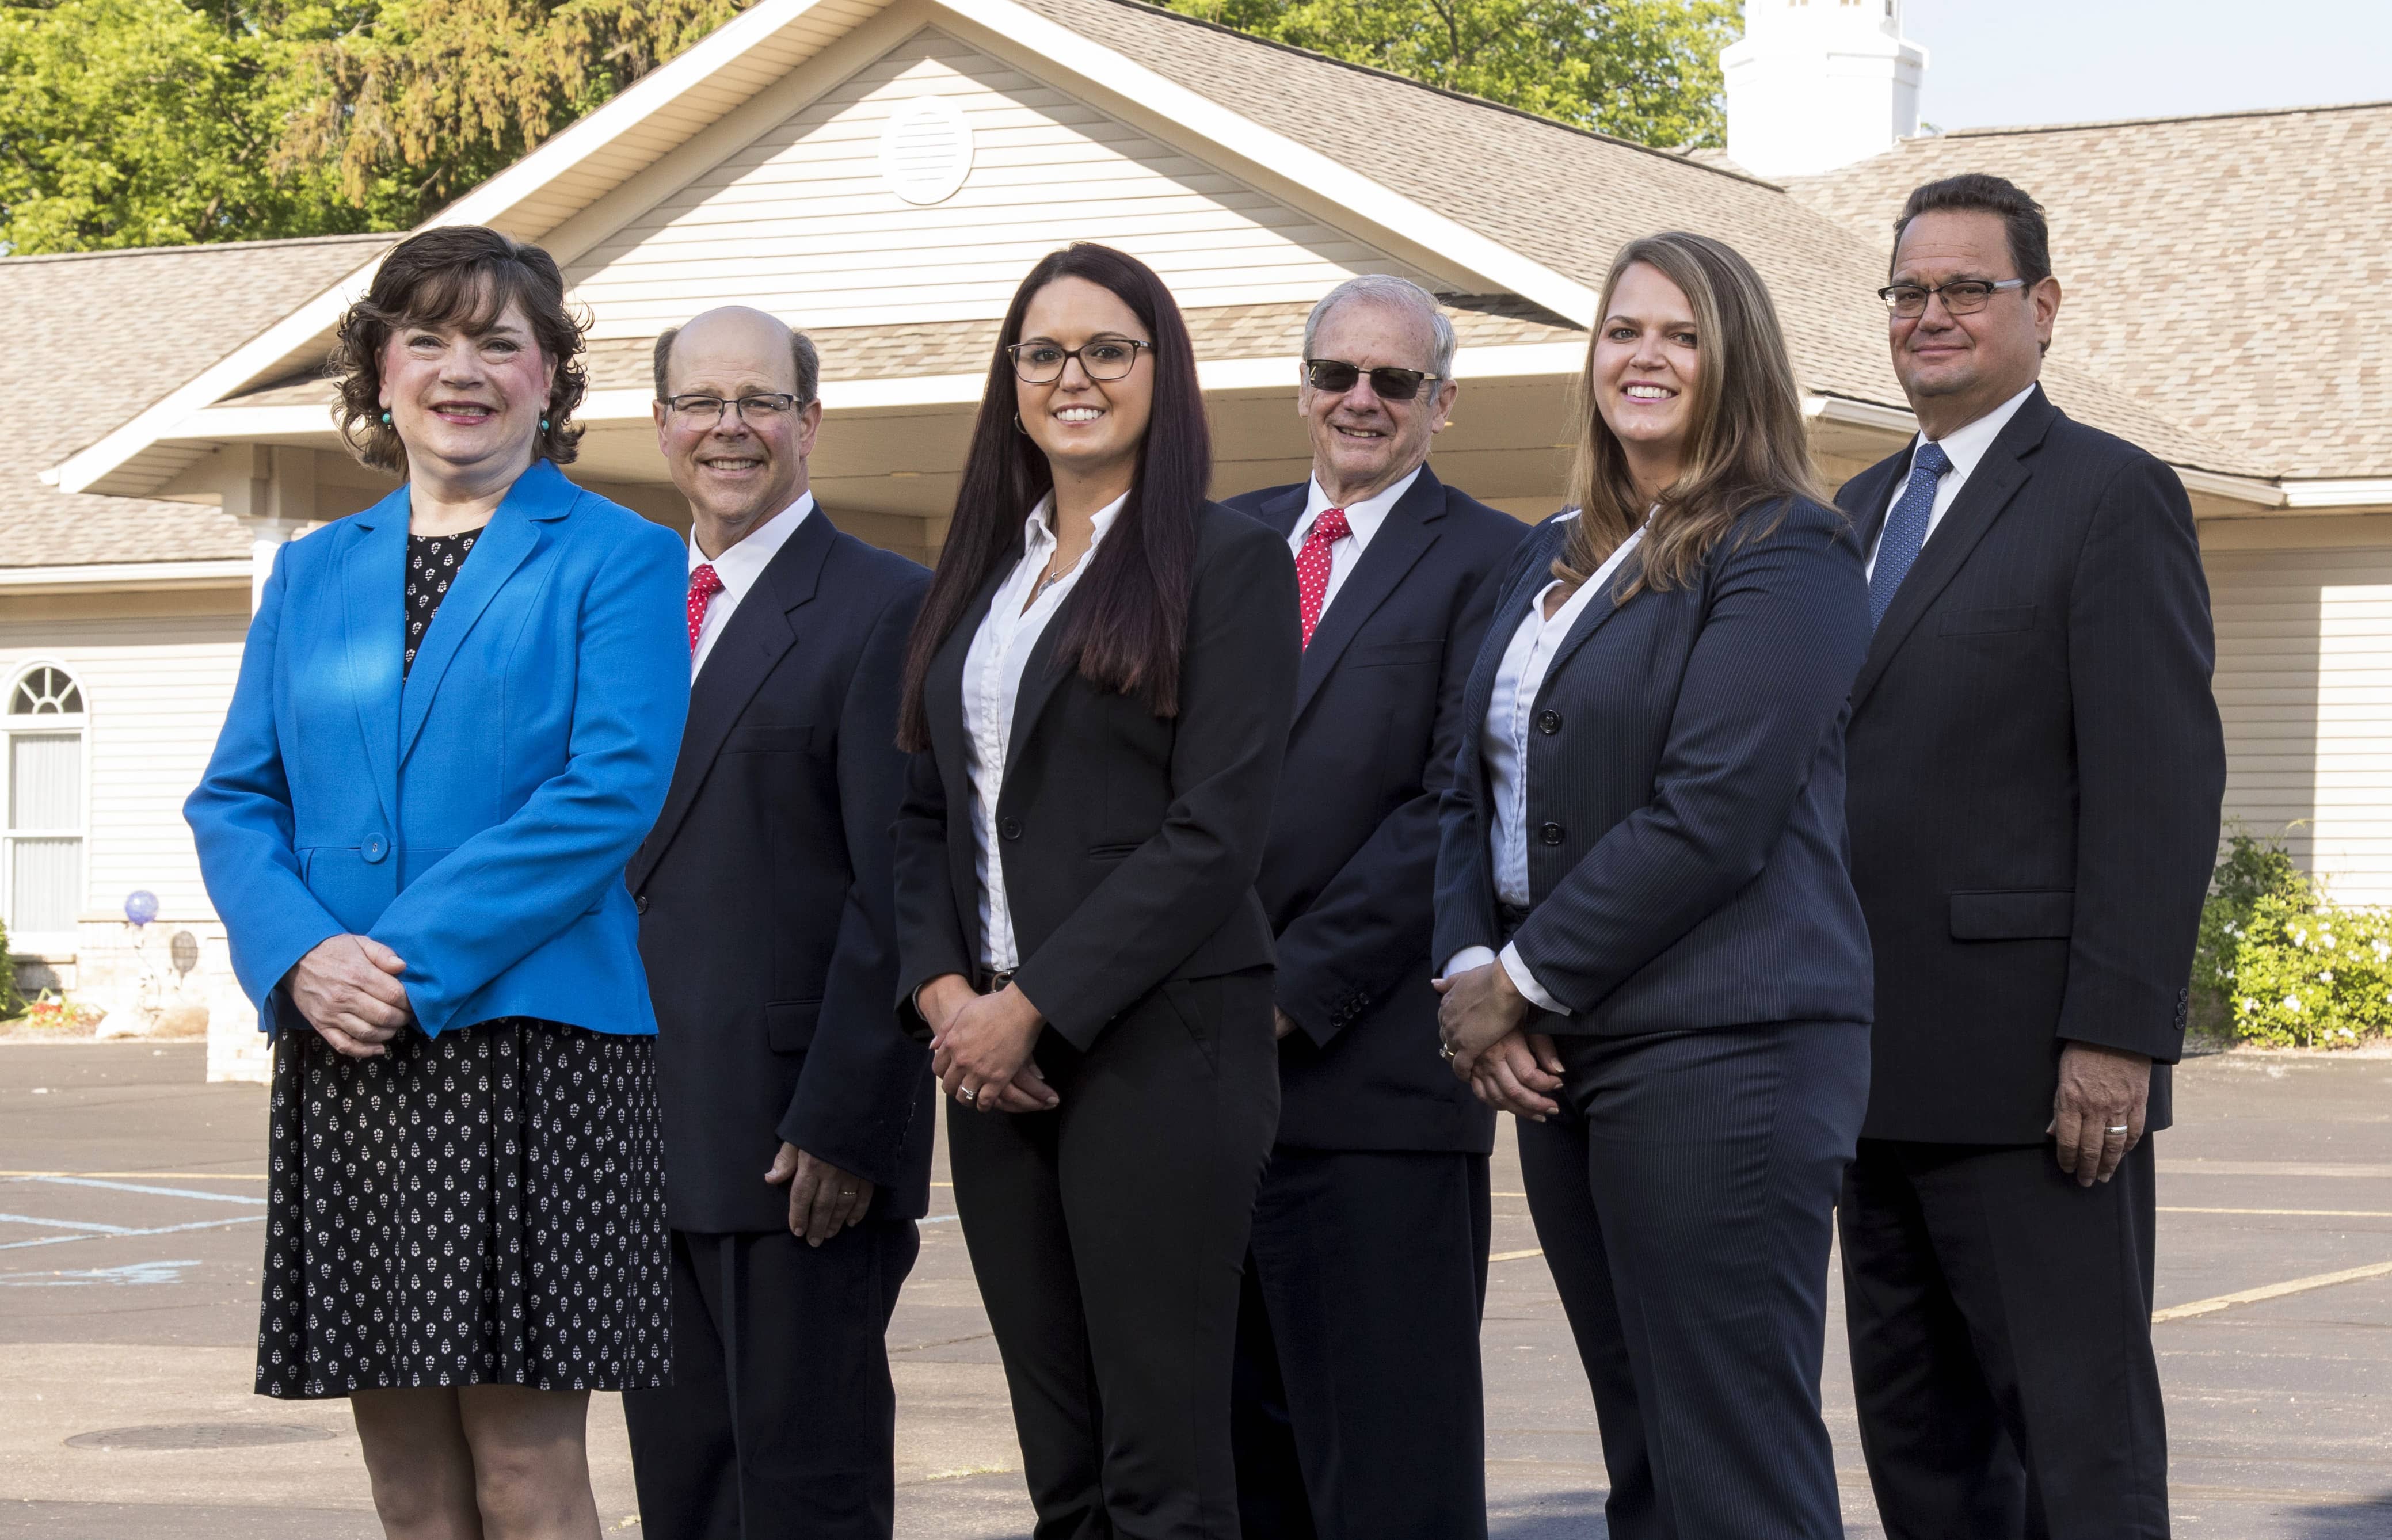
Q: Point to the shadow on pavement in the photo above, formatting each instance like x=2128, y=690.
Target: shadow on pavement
x=2363, y=1519
x=1562, y=1516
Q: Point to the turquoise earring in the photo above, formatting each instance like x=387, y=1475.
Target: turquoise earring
x=544, y=424
x=385, y=420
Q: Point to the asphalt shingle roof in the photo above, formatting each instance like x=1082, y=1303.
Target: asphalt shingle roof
x=2229, y=272
x=102, y=335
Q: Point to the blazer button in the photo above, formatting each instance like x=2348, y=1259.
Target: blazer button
x=1549, y=722
x=374, y=848
x=1553, y=834
x=641, y=903
x=1008, y=828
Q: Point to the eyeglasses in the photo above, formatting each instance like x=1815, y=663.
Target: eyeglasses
x=707, y=410
x=1041, y=362
x=1337, y=377
x=1961, y=296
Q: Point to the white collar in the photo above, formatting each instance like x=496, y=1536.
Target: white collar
x=1966, y=445
x=1363, y=518
x=744, y=562
x=1038, y=531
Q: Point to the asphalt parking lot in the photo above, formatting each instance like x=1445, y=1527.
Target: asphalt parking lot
x=130, y=1197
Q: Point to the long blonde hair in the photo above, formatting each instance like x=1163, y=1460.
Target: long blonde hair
x=1746, y=444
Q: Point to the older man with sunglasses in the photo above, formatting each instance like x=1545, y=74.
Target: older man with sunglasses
x=1358, y=1392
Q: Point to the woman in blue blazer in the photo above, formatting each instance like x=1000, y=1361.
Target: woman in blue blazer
x=457, y=715
x=1650, y=827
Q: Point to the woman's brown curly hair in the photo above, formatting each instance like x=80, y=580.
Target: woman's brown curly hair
x=465, y=276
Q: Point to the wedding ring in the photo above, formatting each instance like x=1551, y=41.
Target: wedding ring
x=966, y=1095
x=2120, y=1129
x=1445, y=1051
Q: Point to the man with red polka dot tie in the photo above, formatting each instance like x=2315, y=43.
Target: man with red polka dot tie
x=1357, y=1409
x=795, y=1114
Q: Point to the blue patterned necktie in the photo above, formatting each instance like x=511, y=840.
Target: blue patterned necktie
x=1905, y=528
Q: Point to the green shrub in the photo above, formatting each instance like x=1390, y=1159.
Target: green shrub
x=11, y=1004
x=2282, y=966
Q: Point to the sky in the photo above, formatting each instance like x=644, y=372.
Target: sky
x=1997, y=62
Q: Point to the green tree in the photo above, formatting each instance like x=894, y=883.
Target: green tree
x=148, y=123
x=1643, y=69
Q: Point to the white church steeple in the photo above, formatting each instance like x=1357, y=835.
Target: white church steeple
x=1819, y=83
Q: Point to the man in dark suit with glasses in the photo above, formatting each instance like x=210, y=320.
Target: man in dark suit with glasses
x=2036, y=766
x=1357, y=1403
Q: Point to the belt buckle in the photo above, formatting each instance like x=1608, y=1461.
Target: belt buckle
x=997, y=981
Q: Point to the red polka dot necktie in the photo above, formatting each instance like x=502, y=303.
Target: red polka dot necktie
x=1312, y=565
x=703, y=587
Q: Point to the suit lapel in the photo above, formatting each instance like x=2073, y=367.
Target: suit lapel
x=540, y=495
x=759, y=634
x=1283, y=512
x=1408, y=530
x=1511, y=606
x=1597, y=614
x=374, y=594
x=1870, y=496
x=1991, y=487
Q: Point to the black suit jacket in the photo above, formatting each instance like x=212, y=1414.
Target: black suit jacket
x=2036, y=766
x=1349, y=876
x=1130, y=841
x=1686, y=774
x=766, y=900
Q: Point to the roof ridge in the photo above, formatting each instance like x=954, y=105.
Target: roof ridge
x=357, y=238
x=1676, y=157
x=2139, y=122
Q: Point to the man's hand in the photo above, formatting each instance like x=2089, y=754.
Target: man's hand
x=348, y=990
x=2097, y=1115
x=1282, y=1023
x=823, y=1199
x=1481, y=1007
x=1516, y=1074
x=982, y=1054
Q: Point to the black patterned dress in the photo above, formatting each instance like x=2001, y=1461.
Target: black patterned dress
x=483, y=1207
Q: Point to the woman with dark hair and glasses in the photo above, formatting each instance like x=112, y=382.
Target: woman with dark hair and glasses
x=1098, y=697
x=456, y=718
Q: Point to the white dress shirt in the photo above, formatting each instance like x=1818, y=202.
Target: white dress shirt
x=1362, y=519
x=1000, y=651
x=1965, y=447
x=1505, y=742
x=739, y=567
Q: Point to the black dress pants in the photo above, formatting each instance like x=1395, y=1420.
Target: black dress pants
x=1108, y=1237
x=1359, y=1412
x=2001, y=1328
x=780, y=1423
x=1683, y=1198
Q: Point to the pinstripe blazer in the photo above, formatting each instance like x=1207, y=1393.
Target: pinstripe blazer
x=1687, y=864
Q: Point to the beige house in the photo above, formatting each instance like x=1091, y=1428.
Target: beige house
x=883, y=174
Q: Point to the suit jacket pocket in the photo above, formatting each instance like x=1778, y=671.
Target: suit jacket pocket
x=1984, y=622
x=1386, y=655
x=789, y=1025
x=1190, y=1004
x=771, y=738
x=2016, y=914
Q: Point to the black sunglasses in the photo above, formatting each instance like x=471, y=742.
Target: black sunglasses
x=1337, y=377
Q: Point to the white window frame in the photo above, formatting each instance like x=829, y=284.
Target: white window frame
x=59, y=944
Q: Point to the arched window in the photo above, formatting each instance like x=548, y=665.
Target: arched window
x=42, y=796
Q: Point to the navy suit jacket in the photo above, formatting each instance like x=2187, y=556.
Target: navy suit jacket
x=1685, y=804
x=475, y=819
x=767, y=897
x=2037, y=768
x=1349, y=876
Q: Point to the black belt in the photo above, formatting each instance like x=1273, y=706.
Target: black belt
x=1511, y=918
x=986, y=982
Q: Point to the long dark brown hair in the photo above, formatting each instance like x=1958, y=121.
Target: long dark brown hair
x=464, y=276
x=1126, y=621
x=1746, y=444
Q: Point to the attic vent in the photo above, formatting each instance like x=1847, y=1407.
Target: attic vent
x=926, y=150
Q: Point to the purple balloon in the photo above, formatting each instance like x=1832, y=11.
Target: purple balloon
x=141, y=906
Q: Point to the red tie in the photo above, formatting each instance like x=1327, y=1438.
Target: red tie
x=1312, y=565
x=703, y=587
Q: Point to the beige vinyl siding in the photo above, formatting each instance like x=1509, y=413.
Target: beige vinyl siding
x=2305, y=687
x=155, y=691
x=799, y=222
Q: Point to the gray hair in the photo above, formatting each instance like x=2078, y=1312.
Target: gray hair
x=802, y=355
x=1402, y=295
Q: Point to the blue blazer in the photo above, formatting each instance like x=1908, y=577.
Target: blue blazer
x=478, y=820
x=1687, y=861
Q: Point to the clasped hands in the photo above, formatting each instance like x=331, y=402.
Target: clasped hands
x=1508, y=1070
x=980, y=1044
x=347, y=987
